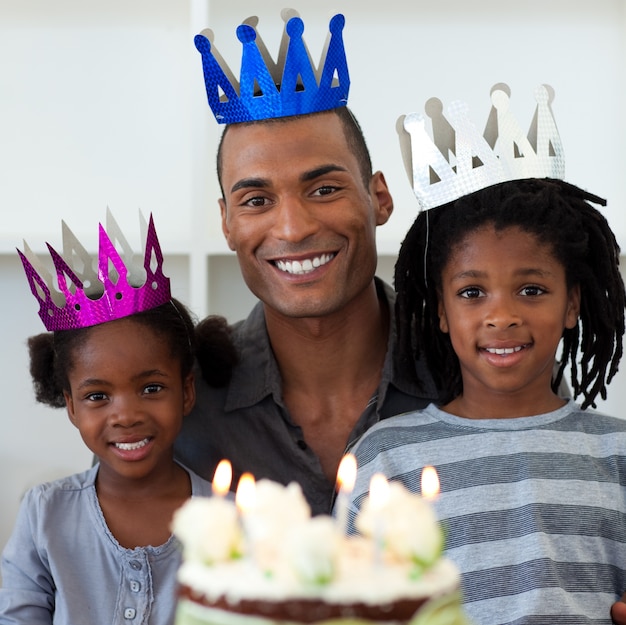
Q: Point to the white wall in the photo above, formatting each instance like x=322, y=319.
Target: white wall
x=102, y=104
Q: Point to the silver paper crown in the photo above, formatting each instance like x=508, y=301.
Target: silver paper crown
x=458, y=160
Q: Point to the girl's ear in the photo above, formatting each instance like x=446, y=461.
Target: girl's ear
x=189, y=394
x=573, y=307
x=69, y=405
x=441, y=311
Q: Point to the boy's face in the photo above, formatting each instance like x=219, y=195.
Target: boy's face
x=127, y=397
x=298, y=214
x=505, y=304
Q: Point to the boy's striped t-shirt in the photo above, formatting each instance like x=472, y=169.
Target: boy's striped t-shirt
x=534, y=507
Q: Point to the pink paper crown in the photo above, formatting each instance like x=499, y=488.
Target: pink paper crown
x=119, y=288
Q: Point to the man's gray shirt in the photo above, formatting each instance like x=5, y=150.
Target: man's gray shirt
x=249, y=424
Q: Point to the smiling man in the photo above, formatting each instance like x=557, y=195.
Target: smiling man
x=300, y=207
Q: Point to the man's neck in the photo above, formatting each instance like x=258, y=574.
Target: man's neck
x=330, y=368
x=332, y=350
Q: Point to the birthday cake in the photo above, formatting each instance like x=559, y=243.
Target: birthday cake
x=277, y=564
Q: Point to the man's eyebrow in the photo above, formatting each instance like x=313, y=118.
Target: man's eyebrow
x=260, y=183
x=246, y=183
x=320, y=171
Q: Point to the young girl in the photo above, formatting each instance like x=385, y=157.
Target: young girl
x=96, y=547
x=532, y=485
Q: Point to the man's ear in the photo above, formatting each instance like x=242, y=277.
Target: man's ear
x=225, y=228
x=69, y=405
x=382, y=198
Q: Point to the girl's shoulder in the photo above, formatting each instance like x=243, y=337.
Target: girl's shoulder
x=68, y=484
x=199, y=486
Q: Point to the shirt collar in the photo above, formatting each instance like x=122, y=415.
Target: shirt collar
x=257, y=375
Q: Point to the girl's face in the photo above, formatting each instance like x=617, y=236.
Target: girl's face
x=504, y=302
x=127, y=398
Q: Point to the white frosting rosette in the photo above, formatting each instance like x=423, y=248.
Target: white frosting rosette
x=312, y=550
x=406, y=525
x=208, y=529
x=276, y=510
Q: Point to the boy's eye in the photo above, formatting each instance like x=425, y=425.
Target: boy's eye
x=532, y=290
x=152, y=388
x=470, y=292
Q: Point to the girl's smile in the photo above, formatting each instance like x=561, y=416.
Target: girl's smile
x=128, y=398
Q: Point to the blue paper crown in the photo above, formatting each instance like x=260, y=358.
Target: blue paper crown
x=266, y=90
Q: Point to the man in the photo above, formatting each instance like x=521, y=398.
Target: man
x=300, y=208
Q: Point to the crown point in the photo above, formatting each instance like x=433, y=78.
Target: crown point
x=500, y=99
x=202, y=42
x=501, y=86
x=246, y=33
x=337, y=23
x=544, y=94
x=433, y=107
x=295, y=27
x=287, y=14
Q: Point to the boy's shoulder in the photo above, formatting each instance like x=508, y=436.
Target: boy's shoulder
x=596, y=421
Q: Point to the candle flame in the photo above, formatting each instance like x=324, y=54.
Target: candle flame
x=346, y=475
x=379, y=491
x=430, y=483
x=245, y=497
x=222, y=478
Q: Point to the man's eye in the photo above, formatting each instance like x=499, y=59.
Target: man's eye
x=325, y=190
x=258, y=201
x=470, y=292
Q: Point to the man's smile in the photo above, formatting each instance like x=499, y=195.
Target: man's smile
x=303, y=266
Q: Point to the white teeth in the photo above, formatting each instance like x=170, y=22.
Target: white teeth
x=503, y=350
x=305, y=266
x=131, y=446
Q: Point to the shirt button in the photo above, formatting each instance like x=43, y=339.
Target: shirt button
x=135, y=586
x=130, y=613
x=135, y=564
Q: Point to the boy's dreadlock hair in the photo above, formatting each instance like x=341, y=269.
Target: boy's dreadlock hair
x=559, y=215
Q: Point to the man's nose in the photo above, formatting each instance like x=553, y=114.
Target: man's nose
x=294, y=221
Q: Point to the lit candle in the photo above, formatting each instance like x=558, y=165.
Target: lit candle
x=346, y=476
x=430, y=483
x=379, y=496
x=245, y=497
x=222, y=478
x=245, y=500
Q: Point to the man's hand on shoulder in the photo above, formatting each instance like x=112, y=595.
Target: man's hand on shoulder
x=618, y=611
